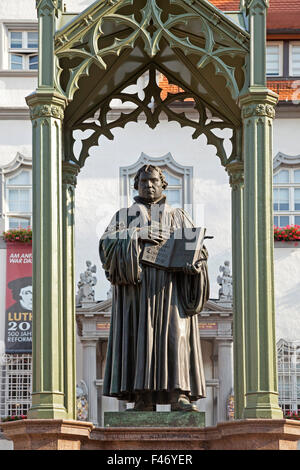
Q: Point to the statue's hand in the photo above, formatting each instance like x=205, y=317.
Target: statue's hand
x=153, y=234
x=193, y=268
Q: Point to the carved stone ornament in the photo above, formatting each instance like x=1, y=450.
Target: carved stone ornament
x=69, y=173
x=237, y=180
x=47, y=110
x=254, y=3
x=49, y=4
x=225, y=281
x=261, y=109
x=236, y=174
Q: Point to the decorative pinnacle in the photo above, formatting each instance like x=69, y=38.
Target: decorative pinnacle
x=249, y=4
x=49, y=4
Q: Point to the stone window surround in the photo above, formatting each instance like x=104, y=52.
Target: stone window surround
x=284, y=161
x=13, y=25
x=19, y=163
x=185, y=173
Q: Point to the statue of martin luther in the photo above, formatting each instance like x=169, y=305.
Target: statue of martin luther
x=154, y=354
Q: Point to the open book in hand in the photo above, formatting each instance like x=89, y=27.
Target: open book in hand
x=184, y=246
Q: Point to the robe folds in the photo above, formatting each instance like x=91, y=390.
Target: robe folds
x=154, y=342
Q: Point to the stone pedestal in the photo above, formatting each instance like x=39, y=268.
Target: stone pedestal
x=47, y=434
x=249, y=434
x=171, y=419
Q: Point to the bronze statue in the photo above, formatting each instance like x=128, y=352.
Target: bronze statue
x=154, y=354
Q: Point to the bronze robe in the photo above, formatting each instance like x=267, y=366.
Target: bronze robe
x=154, y=342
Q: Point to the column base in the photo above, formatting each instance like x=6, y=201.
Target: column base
x=47, y=434
x=262, y=405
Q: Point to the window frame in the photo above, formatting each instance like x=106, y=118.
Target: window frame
x=15, y=384
x=25, y=52
x=288, y=360
x=167, y=162
x=291, y=186
x=280, y=61
x=291, y=44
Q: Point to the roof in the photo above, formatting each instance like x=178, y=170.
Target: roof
x=226, y=5
x=283, y=15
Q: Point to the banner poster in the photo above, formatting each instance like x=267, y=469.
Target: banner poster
x=18, y=321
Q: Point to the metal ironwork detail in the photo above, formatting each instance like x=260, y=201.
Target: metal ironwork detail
x=82, y=43
x=151, y=107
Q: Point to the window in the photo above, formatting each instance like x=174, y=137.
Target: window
x=286, y=197
x=274, y=59
x=23, y=47
x=18, y=200
x=295, y=59
x=179, y=178
x=288, y=354
x=15, y=384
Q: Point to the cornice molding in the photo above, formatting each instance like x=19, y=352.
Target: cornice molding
x=284, y=159
x=15, y=114
x=19, y=161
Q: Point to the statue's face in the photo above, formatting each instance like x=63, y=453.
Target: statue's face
x=150, y=186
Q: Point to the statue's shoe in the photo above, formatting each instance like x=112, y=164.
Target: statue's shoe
x=140, y=405
x=183, y=404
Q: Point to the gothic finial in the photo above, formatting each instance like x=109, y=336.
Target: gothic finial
x=49, y=4
x=249, y=4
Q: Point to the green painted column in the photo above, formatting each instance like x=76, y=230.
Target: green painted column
x=69, y=179
x=236, y=173
x=258, y=112
x=47, y=112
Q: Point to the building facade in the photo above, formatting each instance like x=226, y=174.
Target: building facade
x=197, y=182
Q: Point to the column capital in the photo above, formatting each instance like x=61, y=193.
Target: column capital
x=70, y=172
x=235, y=171
x=46, y=104
x=259, y=102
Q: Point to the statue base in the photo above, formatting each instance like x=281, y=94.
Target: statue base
x=248, y=434
x=154, y=419
x=47, y=434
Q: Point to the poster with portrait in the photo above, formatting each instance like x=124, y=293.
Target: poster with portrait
x=18, y=326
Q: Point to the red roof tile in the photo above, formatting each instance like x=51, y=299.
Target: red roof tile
x=226, y=5
x=283, y=15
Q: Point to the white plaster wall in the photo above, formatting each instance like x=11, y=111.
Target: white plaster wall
x=15, y=136
x=286, y=136
x=13, y=91
x=287, y=288
x=18, y=9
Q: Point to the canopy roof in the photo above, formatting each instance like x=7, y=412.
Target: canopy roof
x=112, y=43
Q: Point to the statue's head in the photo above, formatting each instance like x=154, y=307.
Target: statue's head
x=150, y=182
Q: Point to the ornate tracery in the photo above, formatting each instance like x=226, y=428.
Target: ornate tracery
x=152, y=35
